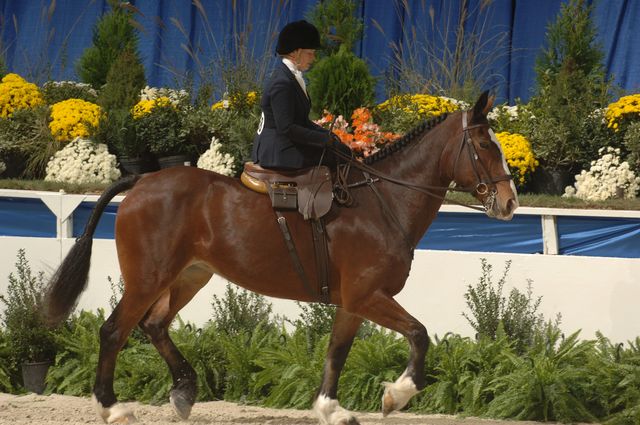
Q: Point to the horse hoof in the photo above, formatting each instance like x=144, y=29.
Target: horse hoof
x=397, y=394
x=350, y=421
x=181, y=403
x=115, y=414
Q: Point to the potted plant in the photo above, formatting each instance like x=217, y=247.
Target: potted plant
x=30, y=344
x=116, y=130
x=157, y=124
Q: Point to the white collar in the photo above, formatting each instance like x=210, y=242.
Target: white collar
x=292, y=66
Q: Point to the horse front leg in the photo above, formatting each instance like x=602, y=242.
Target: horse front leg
x=326, y=406
x=382, y=309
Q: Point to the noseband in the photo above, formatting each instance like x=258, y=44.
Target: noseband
x=486, y=185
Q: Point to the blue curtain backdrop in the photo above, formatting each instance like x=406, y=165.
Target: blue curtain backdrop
x=42, y=39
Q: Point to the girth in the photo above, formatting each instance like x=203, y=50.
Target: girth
x=310, y=192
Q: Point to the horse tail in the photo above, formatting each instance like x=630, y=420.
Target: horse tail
x=71, y=278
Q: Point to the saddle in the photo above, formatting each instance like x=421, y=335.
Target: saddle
x=310, y=191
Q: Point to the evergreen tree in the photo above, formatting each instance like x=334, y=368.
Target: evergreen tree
x=113, y=34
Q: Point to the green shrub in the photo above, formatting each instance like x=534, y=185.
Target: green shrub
x=123, y=82
x=116, y=129
x=340, y=83
x=160, y=130
x=571, y=85
x=632, y=144
x=490, y=309
x=27, y=337
x=112, y=34
x=5, y=371
x=291, y=372
x=240, y=311
x=57, y=91
x=550, y=383
x=337, y=24
x=74, y=371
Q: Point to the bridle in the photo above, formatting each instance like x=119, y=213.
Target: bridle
x=484, y=186
x=479, y=169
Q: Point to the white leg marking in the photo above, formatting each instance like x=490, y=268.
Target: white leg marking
x=329, y=411
x=114, y=414
x=397, y=394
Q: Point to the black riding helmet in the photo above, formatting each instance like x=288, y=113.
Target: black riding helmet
x=298, y=35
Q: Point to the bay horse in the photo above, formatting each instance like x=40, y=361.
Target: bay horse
x=179, y=226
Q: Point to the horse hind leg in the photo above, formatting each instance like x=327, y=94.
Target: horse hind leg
x=156, y=325
x=326, y=406
x=113, y=335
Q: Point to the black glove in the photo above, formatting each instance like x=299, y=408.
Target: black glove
x=336, y=144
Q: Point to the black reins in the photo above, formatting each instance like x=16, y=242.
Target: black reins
x=482, y=187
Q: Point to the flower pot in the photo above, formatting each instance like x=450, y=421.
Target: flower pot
x=130, y=165
x=551, y=181
x=173, y=161
x=33, y=376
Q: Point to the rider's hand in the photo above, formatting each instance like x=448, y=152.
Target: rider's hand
x=337, y=145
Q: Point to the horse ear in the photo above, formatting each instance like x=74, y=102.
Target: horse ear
x=484, y=104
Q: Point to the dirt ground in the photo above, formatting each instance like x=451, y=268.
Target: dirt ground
x=65, y=410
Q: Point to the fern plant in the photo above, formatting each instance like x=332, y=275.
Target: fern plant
x=548, y=384
x=75, y=368
x=374, y=360
x=291, y=371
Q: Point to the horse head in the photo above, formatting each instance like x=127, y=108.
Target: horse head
x=479, y=165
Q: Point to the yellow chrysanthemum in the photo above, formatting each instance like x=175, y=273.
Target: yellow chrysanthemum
x=519, y=155
x=627, y=107
x=143, y=107
x=73, y=118
x=425, y=105
x=16, y=93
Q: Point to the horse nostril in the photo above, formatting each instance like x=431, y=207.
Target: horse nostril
x=511, y=206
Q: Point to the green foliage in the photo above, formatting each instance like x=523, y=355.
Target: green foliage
x=5, y=371
x=123, y=82
x=160, y=130
x=490, y=310
x=571, y=85
x=26, y=143
x=240, y=311
x=27, y=337
x=381, y=357
x=117, y=130
x=57, y=91
x=242, y=351
x=77, y=360
x=113, y=34
x=340, y=83
x=236, y=132
x=550, y=383
x=632, y=144
x=291, y=371
x=337, y=24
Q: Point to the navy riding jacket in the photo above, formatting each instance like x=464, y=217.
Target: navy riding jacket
x=287, y=139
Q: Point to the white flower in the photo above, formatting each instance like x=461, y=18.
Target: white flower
x=152, y=93
x=214, y=160
x=83, y=161
x=607, y=178
x=85, y=86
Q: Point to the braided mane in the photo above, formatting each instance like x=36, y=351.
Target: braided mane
x=407, y=138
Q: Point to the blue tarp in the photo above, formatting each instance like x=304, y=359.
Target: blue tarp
x=26, y=217
x=106, y=225
x=582, y=236
x=178, y=38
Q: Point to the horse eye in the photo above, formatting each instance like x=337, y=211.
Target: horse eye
x=484, y=144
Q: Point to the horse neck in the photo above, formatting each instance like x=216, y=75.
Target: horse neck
x=425, y=162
